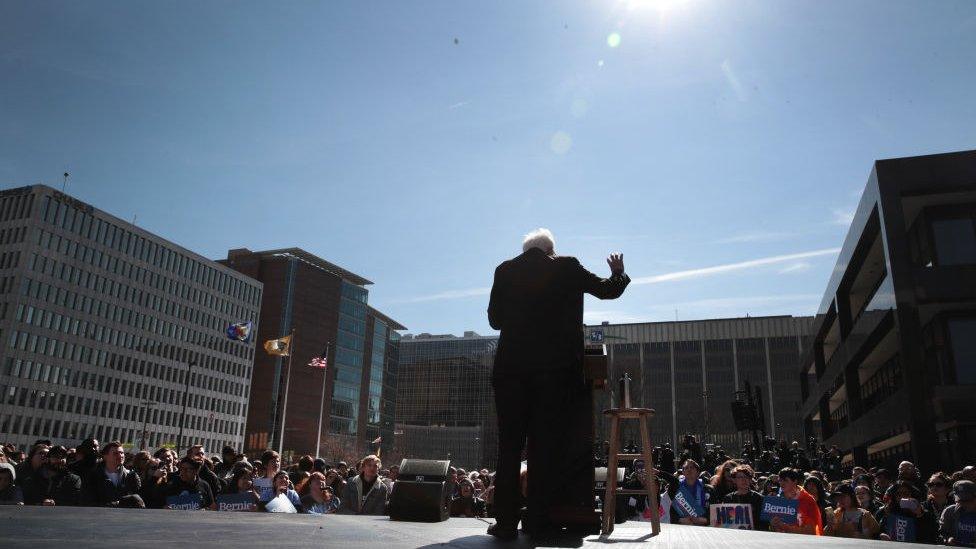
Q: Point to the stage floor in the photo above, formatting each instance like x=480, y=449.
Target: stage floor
x=87, y=527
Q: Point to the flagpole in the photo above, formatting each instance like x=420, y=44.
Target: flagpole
x=284, y=404
x=318, y=440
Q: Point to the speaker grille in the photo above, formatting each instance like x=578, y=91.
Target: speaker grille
x=432, y=470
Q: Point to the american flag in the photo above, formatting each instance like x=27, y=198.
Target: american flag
x=322, y=361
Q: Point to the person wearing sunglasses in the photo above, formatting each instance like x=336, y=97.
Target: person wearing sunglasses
x=938, y=486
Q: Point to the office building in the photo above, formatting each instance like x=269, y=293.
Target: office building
x=104, y=325
x=689, y=372
x=319, y=302
x=892, y=367
x=445, y=404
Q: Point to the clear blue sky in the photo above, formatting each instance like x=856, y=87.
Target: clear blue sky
x=416, y=142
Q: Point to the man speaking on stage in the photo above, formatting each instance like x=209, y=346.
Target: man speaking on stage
x=537, y=305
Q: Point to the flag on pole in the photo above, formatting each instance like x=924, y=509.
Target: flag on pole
x=240, y=331
x=278, y=347
x=322, y=361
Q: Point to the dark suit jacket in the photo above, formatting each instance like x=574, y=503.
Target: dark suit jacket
x=537, y=304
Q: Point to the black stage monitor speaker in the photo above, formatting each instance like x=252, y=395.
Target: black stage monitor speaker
x=420, y=493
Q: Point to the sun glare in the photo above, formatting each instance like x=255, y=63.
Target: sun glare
x=655, y=5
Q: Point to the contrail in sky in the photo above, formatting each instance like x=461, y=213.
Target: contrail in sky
x=653, y=279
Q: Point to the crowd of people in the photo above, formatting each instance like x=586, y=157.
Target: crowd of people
x=850, y=502
x=857, y=502
x=107, y=476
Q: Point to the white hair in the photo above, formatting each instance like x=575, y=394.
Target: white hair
x=540, y=238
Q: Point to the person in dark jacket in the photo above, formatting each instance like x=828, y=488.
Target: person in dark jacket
x=188, y=481
x=198, y=454
x=86, y=458
x=466, y=504
x=54, y=484
x=34, y=463
x=537, y=303
x=110, y=484
x=903, y=499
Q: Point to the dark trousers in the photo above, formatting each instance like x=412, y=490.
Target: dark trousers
x=532, y=408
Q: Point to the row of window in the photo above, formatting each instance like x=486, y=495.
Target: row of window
x=107, y=409
x=108, y=311
x=68, y=377
x=78, y=218
x=166, y=286
x=79, y=353
x=72, y=431
x=16, y=204
x=12, y=235
x=9, y=260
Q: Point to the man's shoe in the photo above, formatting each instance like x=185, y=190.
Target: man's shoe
x=503, y=532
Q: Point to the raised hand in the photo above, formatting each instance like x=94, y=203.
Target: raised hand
x=616, y=262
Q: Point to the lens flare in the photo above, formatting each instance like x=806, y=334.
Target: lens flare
x=613, y=40
x=560, y=142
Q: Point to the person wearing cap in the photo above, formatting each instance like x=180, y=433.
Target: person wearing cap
x=53, y=484
x=958, y=521
x=882, y=481
x=86, y=458
x=10, y=494
x=847, y=520
x=903, y=500
x=225, y=469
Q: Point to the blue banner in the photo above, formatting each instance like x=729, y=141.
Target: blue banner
x=237, y=502
x=901, y=528
x=966, y=534
x=686, y=504
x=185, y=501
x=784, y=508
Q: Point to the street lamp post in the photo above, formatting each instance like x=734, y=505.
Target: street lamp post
x=186, y=391
x=146, y=405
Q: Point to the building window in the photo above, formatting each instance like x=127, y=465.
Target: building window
x=955, y=241
x=962, y=341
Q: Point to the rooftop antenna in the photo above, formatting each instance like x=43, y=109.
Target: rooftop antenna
x=134, y=216
x=64, y=184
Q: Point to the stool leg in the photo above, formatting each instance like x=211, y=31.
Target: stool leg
x=652, y=495
x=610, y=500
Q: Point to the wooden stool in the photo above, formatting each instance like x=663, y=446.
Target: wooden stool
x=650, y=484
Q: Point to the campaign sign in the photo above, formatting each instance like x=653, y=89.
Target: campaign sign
x=263, y=486
x=966, y=531
x=236, y=502
x=901, y=528
x=784, y=508
x=596, y=336
x=185, y=501
x=686, y=504
x=731, y=515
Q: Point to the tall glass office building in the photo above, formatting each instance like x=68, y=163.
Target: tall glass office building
x=103, y=324
x=690, y=371
x=445, y=404
x=321, y=304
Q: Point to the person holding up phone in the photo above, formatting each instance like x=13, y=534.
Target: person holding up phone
x=903, y=501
